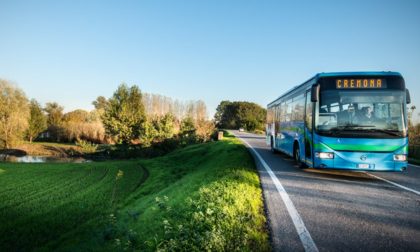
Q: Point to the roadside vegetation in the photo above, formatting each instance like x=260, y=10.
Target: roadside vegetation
x=202, y=197
x=240, y=114
x=129, y=124
x=414, y=137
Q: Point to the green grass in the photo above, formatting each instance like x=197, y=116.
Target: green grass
x=40, y=202
x=202, y=197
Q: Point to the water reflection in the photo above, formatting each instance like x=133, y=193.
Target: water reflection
x=40, y=159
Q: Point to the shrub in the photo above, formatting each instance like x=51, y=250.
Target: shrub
x=86, y=146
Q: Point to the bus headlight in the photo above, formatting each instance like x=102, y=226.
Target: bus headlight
x=400, y=157
x=324, y=155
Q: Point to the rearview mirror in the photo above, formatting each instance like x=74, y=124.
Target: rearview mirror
x=315, y=93
x=407, y=96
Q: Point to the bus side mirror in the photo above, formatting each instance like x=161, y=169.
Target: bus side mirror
x=407, y=96
x=315, y=93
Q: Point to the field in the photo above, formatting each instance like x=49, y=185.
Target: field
x=202, y=197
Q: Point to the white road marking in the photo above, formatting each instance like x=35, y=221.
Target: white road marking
x=395, y=184
x=305, y=237
x=414, y=165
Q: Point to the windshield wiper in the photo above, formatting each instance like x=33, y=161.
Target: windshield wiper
x=351, y=126
x=389, y=132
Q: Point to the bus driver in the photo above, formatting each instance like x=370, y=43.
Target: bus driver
x=366, y=115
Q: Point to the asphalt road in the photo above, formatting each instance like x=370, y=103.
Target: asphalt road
x=329, y=210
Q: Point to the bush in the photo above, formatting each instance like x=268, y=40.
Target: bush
x=86, y=146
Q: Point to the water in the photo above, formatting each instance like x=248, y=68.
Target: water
x=40, y=159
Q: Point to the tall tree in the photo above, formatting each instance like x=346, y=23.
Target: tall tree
x=54, y=120
x=54, y=113
x=220, y=110
x=14, y=114
x=100, y=103
x=124, y=116
x=231, y=115
x=37, y=121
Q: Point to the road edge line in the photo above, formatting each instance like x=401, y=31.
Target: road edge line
x=410, y=164
x=304, y=235
x=395, y=184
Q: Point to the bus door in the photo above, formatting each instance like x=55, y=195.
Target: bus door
x=308, y=128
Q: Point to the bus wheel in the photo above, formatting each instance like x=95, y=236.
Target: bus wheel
x=296, y=155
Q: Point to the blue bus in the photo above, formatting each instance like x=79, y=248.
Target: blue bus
x=353, y=121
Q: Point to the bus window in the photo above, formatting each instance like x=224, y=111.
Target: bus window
x=308, y=114
x=308, y=125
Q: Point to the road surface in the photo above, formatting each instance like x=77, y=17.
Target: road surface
x=324, y=210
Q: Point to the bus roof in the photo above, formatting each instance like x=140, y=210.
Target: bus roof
x=336, y=74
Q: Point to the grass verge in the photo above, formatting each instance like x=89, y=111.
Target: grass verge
x=202, y=197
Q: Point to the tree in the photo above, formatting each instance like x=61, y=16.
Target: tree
x=204, y=130
x=220, y=110
x=14, y=114
x=100, y=103
x=124, y=116
x=37, y=121
x=233, y=115
x=148, y=133
x=54, y=113
x=54, y=119
x=410, y=115
x=76, y=116
x=187, y=126
x=165, y=126
x=82, y=125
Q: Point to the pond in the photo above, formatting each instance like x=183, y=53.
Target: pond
x=41, y=159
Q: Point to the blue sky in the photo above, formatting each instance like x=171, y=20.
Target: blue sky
x=73, y=51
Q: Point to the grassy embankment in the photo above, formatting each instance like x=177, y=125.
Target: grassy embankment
x=202, y=197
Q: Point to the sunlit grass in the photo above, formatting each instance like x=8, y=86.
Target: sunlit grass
x=202, y=197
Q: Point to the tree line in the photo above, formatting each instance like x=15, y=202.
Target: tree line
x=127, y=117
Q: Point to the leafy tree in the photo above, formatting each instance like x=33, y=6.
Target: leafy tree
x=37, y=121
x=158, y=129
x=187, y=131
x=148, y=133
x=100, y=103
x=14, y=114
x=54, y=113
x=205, y=129
x=220, y=110
x=81, y=125
x=233, y=115
x=54, y=120
x=187, y=126
x=124, y=116
x=165, y=126
x=76, y=116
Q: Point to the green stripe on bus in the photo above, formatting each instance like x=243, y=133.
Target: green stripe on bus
x=361, y=147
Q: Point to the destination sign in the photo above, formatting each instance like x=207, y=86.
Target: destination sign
x=360, y=83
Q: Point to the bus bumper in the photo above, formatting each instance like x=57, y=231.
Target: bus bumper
x=361, y=161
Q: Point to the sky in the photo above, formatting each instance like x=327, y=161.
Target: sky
x=74, y=51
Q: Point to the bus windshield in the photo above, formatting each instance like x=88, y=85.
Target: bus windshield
x=366, y=114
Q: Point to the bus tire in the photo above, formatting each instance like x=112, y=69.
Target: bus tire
x=296, y=157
